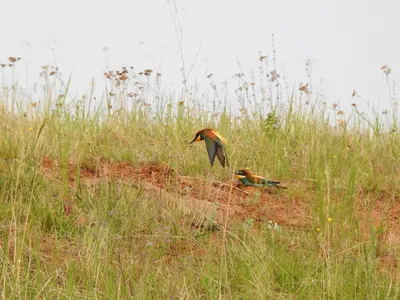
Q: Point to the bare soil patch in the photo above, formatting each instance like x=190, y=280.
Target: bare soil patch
x=229, y=201
x=216, y=199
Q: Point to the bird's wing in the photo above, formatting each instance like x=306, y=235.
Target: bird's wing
x=215, y=149
x=215, y=135
x=221, y=142
x=211, y=149
x=221, y=156
x=256, y=179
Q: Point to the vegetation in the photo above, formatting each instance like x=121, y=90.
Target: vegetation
x=62, y=237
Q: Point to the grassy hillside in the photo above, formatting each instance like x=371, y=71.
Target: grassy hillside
x=88, y=209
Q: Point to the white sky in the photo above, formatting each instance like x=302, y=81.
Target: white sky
x=348, y=40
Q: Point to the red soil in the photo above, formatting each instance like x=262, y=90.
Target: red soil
x=231, y=200
x=228, y=198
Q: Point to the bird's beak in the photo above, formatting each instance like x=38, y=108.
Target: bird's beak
x=196, y=139
x=239, y=176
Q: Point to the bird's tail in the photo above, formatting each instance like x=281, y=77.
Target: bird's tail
x=275, y=184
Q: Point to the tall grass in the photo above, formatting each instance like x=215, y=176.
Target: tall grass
x=120, y=242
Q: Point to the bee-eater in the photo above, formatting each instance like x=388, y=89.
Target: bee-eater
x=215, y=144
x=250, y=179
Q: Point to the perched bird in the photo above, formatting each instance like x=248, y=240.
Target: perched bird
x=215, y=144
x=248, y=178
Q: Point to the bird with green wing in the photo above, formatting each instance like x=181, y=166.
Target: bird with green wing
x=249, y=179
x=215, y=144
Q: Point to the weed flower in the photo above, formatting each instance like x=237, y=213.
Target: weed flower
x=273, y=225
x=304, y=88
x=329, y=220
x=275, y=76
x=13, y=59
x=386, y=69
x=318, y=229
x=30, y=128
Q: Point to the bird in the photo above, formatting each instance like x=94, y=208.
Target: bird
x=249, y=179
x=215, y=144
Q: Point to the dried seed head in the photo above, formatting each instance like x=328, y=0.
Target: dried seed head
x=275, y=76
x=262, y=57
x=304, y=88
x=386, y=69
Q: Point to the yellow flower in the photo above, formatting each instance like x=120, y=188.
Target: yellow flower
x=318, y=229
x=329, y=220
x=30, y=129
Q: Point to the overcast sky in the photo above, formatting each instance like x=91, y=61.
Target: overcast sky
x=348, y=41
